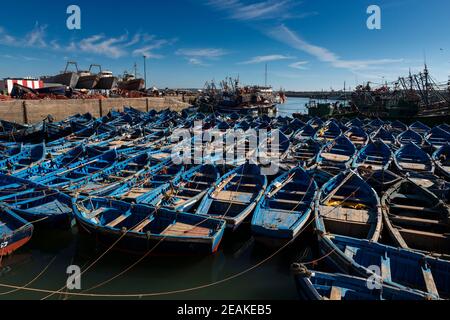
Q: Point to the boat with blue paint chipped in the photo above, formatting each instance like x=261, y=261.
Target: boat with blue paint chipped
x=235, y=195
x=428, y=274
x=411, y=158
x=357, y=136
x=184, y=193
x=141, y=228
x=347, y=206
x=385, y=136
x=442, y=160
x=28, y=156
x=336, y=155
x=285, y=207
x=420, y=128
x=376, y=156
x=437, y=137
x=409, y=136
x=316, y=285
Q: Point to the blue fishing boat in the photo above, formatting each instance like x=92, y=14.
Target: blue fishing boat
x=316, y=285
x=356, y=122
x=336, y=155
x=428, y=274
x=409, y=136
x=445, y=127
x=80, y=174
x=442, y=160
x=66, y=160
x=141, y=228
x=184, y=193
x=357, y=136
x=15, y=232
x=36, y=203
x=376, y=156
x=304, y=154
x=420, y=128
x=123, y=173
x=306, y=133
x=235, y=195
x=346, y=206
x=416, y=219
x=397, y=127
x=165, y=172
x=384, y=135
x=316, y=123
x=411, y=158
x=28, y=156
x=329, y=131
x=437, y=137
x=285, y=207
x=380, y=180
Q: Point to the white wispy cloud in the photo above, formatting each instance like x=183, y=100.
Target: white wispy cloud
x=267, y=58
x=258, y=10
x=196, y=56
x=98, y=44
x=290, y=38
x=299, y=65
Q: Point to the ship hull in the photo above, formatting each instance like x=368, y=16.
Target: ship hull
x=106, y=83
x=132, y=85
x=68, y=79
x=88, y=82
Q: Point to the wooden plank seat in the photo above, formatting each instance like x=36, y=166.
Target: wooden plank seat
x=116, y=221
x=142, y=225
x=412, y=208
x=182, y=229
x=233, y=196
x=413, y=166
x=419, y=221
x=345, y=214
x=335, y=157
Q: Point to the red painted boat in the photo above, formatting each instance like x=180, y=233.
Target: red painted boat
x=14, y=231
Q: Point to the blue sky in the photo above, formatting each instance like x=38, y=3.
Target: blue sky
x=310, y=44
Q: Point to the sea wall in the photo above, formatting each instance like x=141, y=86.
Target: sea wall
x=30, y=111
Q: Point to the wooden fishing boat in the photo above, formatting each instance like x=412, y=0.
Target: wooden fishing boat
x=397, y=127
x=184, y=193
x=34, y=133
x=357, y=136
x=302, y=154
x=36, y=203
x=380, y=180
x=375, y=156
x=285, y=208
x=346, y=206
x=442, y=160
x=125, y=172
x=336, y=155
x=15, y=232
x=80, y=174
x=308, y=132
x=428, y=274
x=384, y=135
x=416, y=219
x=141, y=228
x=72, y=158
x=445, y=127
x=315, y=285
x=235, y=195
x=411, y=158
x=420, y=128
x=330, y=131
x=437, y=137
x=316, y=123
x=356, y=122
x=30, y=155
x=409, y=136
x=163, y=173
